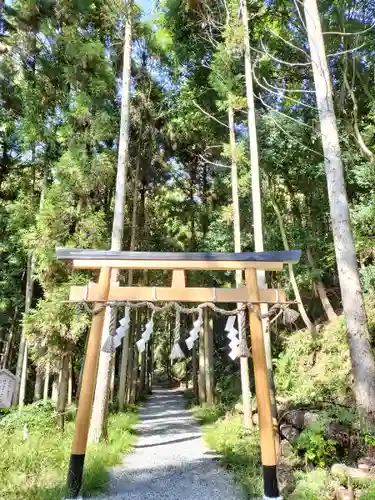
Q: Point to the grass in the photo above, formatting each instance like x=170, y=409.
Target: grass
x=368, y=493
x=312, y=485
x=238, y=448
x=240, y=454
x=36, y=468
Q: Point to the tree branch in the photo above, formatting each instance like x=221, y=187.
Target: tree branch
x=221, y=165
x=293, y=138
x=209, y=115
x=281, y=113
x=289, y=90
x=341, y=33
x=361, y=143
x=300, y=15
x=280, y=60
x=349, y=51
x=281, y=93
x=290, y=44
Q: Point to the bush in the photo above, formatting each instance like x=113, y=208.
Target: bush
x=208, y=414
x=312, y=371
x=39, y=415
x=370, y=309
x=312, y=485
x=316, y=449
x=228, y=388
x=179, y=370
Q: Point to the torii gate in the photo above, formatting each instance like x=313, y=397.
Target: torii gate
x=103, y=292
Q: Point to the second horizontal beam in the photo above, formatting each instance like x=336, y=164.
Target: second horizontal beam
x=165, y=294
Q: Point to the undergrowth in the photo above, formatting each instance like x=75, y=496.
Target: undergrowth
x=369, y=493
x=316, y=449
x=313, y=485
x=313, y=370
x=35, y=455
x=309, y=372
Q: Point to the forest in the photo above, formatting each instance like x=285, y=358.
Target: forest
x=190, y=126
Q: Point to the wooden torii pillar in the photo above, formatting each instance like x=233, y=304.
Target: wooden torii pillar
x=103, y=292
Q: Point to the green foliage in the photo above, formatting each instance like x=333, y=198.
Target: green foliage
x=36, y=467
x=39, y=416
x=318, y=370
x=368, y=440
x=342, y=415
x=239, y=451
x=370, y=310
x=368, y=493
x=312, y=485
x=208, y=414
x=368, y=279
x=57, y=155
x=228, y=388
x=54, y=323
x=315, y=370
x=316, y=449
x=179, y=369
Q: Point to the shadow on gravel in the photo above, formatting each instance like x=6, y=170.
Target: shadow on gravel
x=175, y=414
x=171, y=441
x=162, y=428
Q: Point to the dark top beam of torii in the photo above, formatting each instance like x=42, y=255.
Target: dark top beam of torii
x=183, y=260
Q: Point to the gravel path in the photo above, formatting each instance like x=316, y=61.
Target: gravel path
x=170, y=460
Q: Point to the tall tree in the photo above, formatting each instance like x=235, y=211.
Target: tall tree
x=362, y=358
x=256, y=194
x=244, y=364
x=21, y=371
x=102, y=387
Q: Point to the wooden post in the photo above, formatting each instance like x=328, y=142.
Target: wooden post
x=142, y=374
x=209, y=356
x=201, y=372
x=194, y=362
x=55, y=386
x=267, y=438
x=178, y=279
x=132, y=334
x=246, y=393
x=147, y=356
x=46, y=383
x=77, y=457
x=112, y=370
x=70, y=381
x=38, y=385
x=22, y=387
x=151, y=369
x=133, y=383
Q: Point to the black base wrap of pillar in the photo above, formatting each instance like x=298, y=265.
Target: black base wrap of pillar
x=75, y=473
x=271, y=488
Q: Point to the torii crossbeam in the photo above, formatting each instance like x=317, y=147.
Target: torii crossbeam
x=104, y=291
